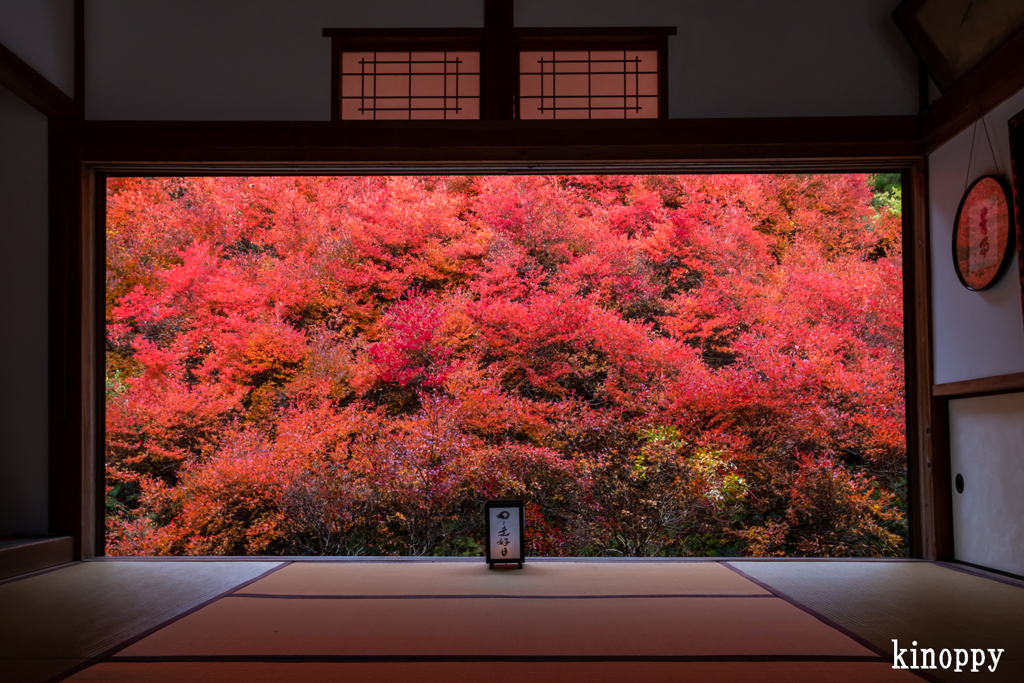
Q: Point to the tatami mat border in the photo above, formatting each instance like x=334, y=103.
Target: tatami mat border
x=470, y=672
x=379, y=659
x=1008, y=578
x=38, y=572
x=301, y=596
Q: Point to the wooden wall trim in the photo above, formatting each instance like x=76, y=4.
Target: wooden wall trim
x=28, y=84
x=999, y=384
x=983, y=89
x=66, y=492
x=586, y=34
x=829, y=142
x=76, y=349
x=93, y=202
x=79, y=98
x=375, y=37
x=941, y=479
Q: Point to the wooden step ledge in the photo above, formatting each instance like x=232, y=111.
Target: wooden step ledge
x=32, y=554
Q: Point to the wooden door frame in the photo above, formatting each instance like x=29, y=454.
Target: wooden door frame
x=83, y=153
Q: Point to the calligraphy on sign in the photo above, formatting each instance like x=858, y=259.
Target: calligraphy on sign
x=505, y=540
x=983, y=234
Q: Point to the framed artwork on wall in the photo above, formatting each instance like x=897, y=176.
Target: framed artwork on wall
x=983, y=233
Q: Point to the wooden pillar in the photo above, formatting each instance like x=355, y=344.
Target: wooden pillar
x=929, y=505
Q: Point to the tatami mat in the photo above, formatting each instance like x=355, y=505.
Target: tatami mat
x=28, y=669
x=534, y=579
x=54, y=620
x=486, y=626
x=909, y=601
x=473, y=672
x=451, y=621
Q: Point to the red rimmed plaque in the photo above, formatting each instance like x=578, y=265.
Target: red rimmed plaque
x=983, y=234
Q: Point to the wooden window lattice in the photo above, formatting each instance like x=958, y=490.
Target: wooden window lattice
x=588, y=84
x=410, y=85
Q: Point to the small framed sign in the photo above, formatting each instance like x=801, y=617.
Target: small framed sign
x=505, y=521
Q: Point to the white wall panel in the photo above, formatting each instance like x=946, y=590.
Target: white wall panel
x=987, y=444
x=742, y=58
x=266, y=59
x=229, y=60
x=976, y=334
x=42, y=33
x=23, y=306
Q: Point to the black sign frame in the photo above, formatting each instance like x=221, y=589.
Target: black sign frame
x=521, y=507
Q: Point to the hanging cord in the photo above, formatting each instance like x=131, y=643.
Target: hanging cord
x=991, y=149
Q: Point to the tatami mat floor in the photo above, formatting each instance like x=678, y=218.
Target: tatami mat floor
x=934, y=606
x=54, y=620
x=263, y=621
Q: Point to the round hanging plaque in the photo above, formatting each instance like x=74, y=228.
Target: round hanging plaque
x=982, y=234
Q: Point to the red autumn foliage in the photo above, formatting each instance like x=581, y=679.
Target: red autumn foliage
x=658, y=365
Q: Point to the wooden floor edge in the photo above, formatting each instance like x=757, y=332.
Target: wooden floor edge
x=429, y=559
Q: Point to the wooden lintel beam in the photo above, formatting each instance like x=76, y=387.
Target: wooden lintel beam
x=27, y=83
x=838, y=139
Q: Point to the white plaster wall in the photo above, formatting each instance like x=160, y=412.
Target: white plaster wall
x=23, y=310
x=42, y=33
x=987, y=443
x=976, y=334
x=266, y=59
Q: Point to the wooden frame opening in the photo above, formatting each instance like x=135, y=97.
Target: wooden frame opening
x=85, y=153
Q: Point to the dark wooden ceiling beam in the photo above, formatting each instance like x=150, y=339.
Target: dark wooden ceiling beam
x=27, y=83
x=980, y=91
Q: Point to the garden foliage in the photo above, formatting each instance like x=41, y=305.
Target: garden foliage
x=658, y=365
